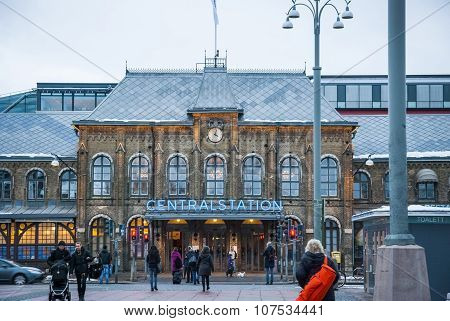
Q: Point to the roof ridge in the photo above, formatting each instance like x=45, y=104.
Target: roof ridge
x=143, y=71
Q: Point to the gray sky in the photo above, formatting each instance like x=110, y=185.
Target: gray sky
x=174, y=34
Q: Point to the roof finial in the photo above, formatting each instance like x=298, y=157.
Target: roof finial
x=304, y=70
x=126, y=67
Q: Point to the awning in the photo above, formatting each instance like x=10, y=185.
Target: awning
x=426, y=175
x=264, y=216
x=39, y=214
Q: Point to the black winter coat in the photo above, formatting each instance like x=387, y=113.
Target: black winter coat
x=310, y=265
x=105, y=256
x=205, y=264
x=269, y=257
x=79, y=261
x=58, y=255
x=153, y=259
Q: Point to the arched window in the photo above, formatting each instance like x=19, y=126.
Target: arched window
x=215, y=176
x=252, y=176
x=426, y=185
x=361, y=186
x=101, y=176
x=177, y=176
x=386, y=186
x=5, y=186
x=328, y=177
x=139, y=176
x=142, y=230
x=36, y=185
x=98, y=237
x=68, y=185
x=290, y=177
x=331, y=236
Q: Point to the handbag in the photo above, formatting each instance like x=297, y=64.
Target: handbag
x=159, y=268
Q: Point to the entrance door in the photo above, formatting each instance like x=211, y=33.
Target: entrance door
x=216, y=240
x=252, y=250
x=215, y=236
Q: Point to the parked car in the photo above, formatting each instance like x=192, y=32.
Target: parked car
x=12, y=272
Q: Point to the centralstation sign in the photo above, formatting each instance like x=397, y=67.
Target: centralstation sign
x=217, y=205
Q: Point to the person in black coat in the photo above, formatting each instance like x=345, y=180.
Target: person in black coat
x=205, y=266
x=79, y=265
x=311, y=263
x=269, y=262
x=59, y=254
x=153, y=261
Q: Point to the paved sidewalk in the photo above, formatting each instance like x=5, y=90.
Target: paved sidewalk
x=183, y=292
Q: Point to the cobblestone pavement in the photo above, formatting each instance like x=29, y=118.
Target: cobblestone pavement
x=183, y=292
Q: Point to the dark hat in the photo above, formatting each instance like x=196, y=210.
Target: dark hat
x=62, y=243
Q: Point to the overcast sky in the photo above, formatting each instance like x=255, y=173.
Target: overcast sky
x=174, y=34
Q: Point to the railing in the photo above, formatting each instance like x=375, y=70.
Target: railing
x=215, y=62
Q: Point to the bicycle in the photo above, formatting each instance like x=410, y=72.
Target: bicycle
x=342, y=279
x=358, y=273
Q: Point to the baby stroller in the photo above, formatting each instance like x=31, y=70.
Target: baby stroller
x=59, y=285
x=230, y=266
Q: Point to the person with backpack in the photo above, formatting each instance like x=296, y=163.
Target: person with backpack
x=176, y=265
x=153, y=262
x=79, y=264
x=269, y=262
x=205, y=266
x=316, y=274
x=191, y=261
x=105, y=259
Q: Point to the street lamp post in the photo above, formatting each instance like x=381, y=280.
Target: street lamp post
x=401, y=267
x=316, y=10
x=56, y=160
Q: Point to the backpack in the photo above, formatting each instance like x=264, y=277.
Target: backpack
x=319, y=284
x=271, y=255
x=192, y=259
x=178, y=263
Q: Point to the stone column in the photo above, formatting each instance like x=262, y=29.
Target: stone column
x=271, y=168
x=196, y=172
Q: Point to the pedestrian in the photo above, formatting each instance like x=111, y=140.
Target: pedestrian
x=153, y=263
x=205, y=266
x=195, y=267
x=190, y=264
x=176, y=265
x=311, y=263
x=79, y=264
x=185, y=263
x=233, y=255
x=59, y=254
x=105, y=259
x=269, y=262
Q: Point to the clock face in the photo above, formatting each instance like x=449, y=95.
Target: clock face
x=215, y=135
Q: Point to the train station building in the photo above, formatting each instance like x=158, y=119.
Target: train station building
x=208, y=156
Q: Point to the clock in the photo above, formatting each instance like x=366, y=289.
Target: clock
x=215, y=135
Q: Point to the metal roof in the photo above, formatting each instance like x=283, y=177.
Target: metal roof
x=413, y=210
x=38, y=213
x=424, y=133
x=165, y=96
x=25, y=136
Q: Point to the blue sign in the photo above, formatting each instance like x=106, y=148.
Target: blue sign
x=220, y=205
